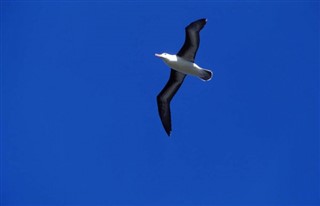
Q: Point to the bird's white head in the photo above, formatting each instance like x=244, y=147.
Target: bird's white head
x=166, y=57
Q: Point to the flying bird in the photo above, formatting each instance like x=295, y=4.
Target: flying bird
x=181, y=65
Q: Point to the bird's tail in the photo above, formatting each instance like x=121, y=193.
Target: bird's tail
x=206, y=74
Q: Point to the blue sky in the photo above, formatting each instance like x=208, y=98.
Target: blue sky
x=79, y=117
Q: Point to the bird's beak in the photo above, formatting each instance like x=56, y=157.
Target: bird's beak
x=158, y=55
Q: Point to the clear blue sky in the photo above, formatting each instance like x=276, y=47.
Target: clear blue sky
x=80, y=124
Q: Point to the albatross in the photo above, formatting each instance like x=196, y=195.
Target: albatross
x=181, y=64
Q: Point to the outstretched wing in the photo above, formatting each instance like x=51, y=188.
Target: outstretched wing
x=165, y=96
x=192, y=40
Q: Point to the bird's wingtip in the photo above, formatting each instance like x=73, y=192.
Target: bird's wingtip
x=168, y=133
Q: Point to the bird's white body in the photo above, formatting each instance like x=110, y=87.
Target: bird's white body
x=181, y=65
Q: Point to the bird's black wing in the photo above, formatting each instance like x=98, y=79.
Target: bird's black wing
x=192, y=40
x=165, y=96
